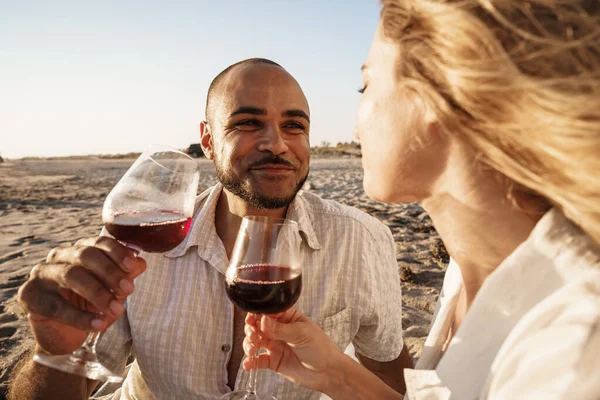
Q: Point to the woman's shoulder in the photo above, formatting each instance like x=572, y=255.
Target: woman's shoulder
x=552, y=351
x=568, y=246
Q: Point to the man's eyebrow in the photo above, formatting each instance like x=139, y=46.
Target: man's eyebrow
x=363, y=67
x=296, y=113
x=249, y=110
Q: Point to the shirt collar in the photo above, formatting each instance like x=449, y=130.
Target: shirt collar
x=203, y=233
x=555, y=252
x=297, y=211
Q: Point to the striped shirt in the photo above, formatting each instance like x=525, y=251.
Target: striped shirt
x=179, y=322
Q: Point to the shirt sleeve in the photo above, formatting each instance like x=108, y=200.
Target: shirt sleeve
x=554, y=357
x=379, y=335
x=114, y=345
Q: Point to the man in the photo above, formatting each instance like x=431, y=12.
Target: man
x=179, y=325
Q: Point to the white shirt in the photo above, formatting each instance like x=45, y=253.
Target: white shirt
x=532, y=332
x=179, y=321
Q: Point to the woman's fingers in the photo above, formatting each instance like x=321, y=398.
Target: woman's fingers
x=250, y=319
x=249, y=329
x=289, y=328
x=249, y=346
x=291, y=315
x=264, y=362
x=269, y=360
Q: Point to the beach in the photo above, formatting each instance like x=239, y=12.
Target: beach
x=47, y=203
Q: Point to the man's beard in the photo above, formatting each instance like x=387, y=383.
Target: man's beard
x=243, y=190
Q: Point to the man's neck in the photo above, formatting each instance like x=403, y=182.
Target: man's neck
x=229, y=213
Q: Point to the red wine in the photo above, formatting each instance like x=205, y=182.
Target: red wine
x=152, y=231
x=265, y=289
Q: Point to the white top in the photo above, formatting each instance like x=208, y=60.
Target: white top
x=179, y=322
x=533, y=331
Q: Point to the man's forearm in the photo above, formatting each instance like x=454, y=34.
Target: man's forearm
x=353, y=381
x=32, y=381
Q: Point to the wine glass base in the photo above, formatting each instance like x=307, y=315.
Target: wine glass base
x=73, y=365
x=243, y=395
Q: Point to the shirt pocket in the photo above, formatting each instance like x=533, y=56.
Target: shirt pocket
x=338, y=327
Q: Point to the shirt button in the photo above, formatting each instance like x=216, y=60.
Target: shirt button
x=225, y=348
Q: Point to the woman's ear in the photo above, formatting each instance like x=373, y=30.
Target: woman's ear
x=206, y=140
x=425, y=123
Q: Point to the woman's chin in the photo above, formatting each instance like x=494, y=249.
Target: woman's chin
x=379, y=193
x=383, y=194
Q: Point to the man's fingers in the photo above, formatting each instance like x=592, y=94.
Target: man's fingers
x=43, y=304
x=120, y=255
x=104, y=268
x=77, y=279
x=100, y=263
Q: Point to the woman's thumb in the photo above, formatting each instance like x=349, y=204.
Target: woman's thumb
x=287, y=332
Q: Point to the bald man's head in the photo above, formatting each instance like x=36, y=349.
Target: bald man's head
x=216, y=84
x=257, y=133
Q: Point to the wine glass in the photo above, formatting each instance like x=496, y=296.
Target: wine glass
x=264, y=275
x=149, y=209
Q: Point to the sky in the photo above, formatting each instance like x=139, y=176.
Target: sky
x=103, y=77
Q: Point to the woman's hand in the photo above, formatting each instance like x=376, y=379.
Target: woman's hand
x=296, y=348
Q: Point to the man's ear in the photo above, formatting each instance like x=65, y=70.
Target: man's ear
x=206, y=140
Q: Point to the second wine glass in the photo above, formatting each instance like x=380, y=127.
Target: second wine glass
x=264, y=275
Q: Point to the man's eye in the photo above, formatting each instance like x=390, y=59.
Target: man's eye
x=248, y=122
x=295, y=125
x=362, y=89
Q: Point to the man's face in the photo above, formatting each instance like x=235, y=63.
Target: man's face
x=260, y=135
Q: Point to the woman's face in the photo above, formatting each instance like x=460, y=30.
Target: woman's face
x=403, y=152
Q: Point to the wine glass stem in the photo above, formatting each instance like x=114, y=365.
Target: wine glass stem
x=91, y=341
x=88, y=348
x=251, y=389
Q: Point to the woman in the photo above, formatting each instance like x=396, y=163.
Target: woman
x=486, y=112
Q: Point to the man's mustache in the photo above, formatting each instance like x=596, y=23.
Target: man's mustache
x=272, y=160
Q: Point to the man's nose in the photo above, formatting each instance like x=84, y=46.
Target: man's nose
x=272, y=140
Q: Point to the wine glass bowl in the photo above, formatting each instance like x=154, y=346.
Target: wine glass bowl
x=265, y=288
x=151, y=206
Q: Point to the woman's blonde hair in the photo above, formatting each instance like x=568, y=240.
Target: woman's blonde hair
x=519, y=81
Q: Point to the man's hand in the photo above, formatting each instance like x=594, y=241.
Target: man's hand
x=79, y=289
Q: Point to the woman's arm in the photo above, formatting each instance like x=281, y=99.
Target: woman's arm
x=350, y=380
x=301, y=352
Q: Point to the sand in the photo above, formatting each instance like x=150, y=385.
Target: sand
x=46, y=203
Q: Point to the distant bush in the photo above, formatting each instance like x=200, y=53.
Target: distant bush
x=350, y=149
x=119, y=156
x=125, y=156
x=194, y=150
